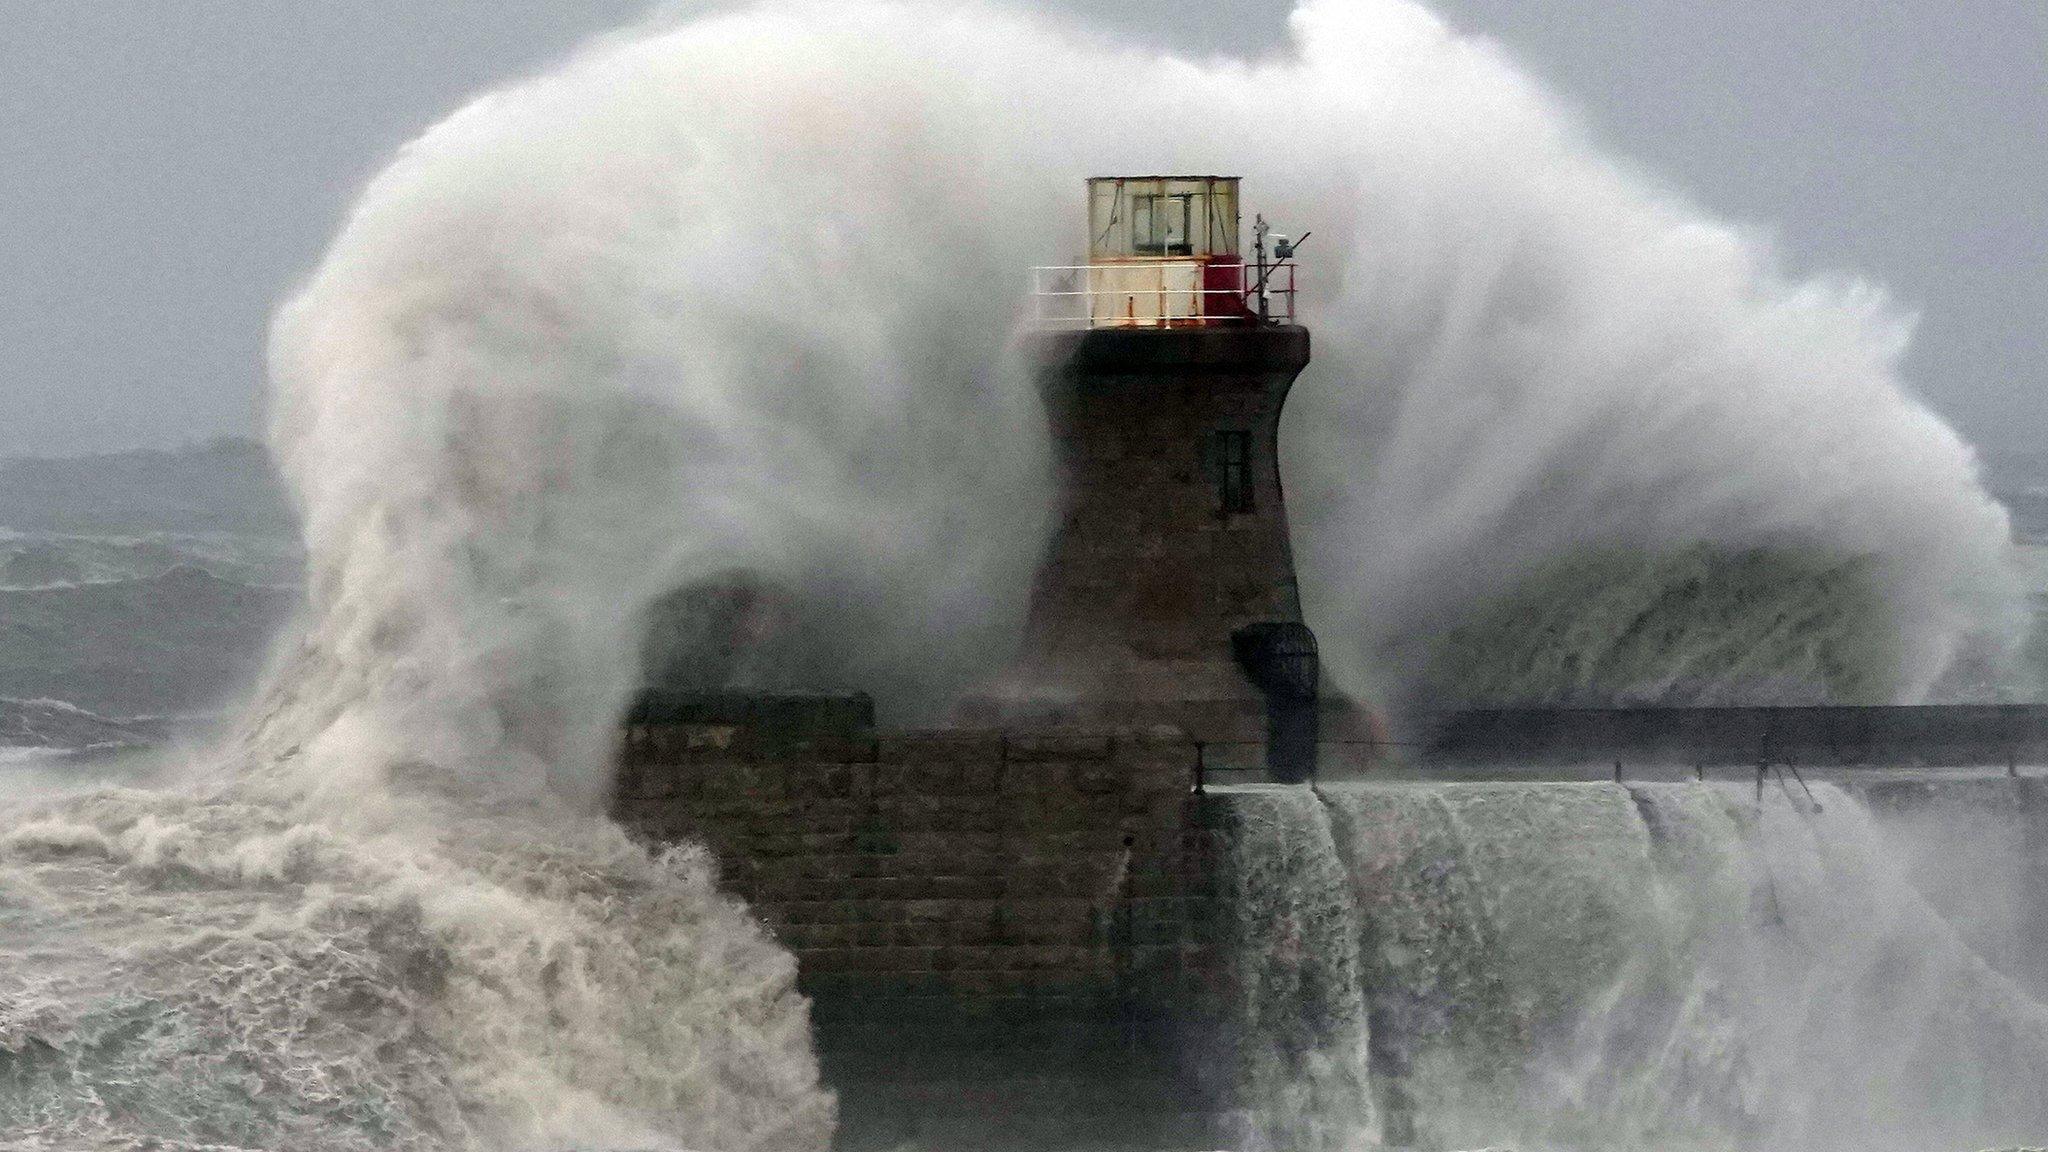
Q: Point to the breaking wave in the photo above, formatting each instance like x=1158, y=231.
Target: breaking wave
x=782, y=247
x=1689, y=628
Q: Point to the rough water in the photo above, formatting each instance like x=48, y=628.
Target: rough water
x=229, y=967
x=736, y=292
x=1591, y=966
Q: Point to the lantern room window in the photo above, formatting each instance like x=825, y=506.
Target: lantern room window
x=1162, y=217
x=1159, y=225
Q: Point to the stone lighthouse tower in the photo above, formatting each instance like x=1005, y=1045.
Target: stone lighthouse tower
x=1167, y=593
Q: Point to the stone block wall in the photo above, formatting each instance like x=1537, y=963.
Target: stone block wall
x=978, y=916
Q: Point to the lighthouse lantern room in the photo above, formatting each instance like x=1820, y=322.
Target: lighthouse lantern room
x=1163, y=252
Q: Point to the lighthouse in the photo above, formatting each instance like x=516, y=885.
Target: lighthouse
x=1167, y=592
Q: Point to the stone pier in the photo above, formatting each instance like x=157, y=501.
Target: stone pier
x=1011, y=939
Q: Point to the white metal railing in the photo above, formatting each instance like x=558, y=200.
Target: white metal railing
x=1160, y=294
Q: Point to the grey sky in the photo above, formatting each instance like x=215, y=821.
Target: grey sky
x=169, y=167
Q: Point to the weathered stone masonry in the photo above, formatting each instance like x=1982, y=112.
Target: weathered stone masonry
x=979, y=917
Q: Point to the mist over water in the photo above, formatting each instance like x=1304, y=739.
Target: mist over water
x=738, y=293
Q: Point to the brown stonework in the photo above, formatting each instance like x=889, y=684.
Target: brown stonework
x=974, y=913
x=1152, y=568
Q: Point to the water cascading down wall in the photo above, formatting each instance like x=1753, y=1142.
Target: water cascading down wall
x=1658, y=965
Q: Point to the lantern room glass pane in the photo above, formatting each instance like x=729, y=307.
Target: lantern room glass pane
x=1159, y=225
x=1173, y=225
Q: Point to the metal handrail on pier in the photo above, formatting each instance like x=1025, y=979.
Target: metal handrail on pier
x=1533, y=744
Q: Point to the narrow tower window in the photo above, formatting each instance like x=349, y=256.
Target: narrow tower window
x=1234, y=470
